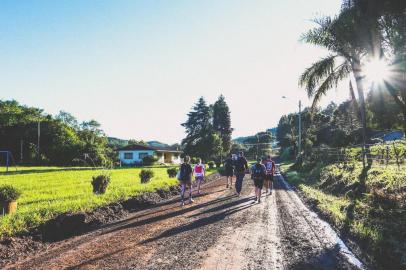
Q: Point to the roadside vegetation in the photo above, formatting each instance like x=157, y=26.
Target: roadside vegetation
x=49, y=191
x=375, y=218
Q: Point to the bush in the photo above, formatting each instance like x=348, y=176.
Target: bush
x=9, y=193
x=211, y=164
x=221, y=171
x=172, y=172
x=194, y=160
x=149, y=160
x=100, y=183
x=218, y=164
x=146, y=175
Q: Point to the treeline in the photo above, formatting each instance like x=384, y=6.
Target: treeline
x=339, y=125
x=62, y=139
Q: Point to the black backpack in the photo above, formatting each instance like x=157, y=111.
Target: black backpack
x=240, y=164
x=183, y=172
x=257, y=171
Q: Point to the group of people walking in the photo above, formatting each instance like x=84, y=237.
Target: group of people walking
x=262, y=172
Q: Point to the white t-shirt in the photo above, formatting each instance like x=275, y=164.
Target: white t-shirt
x=199, y=170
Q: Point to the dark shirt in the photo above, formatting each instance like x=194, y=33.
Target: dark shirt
x=241, y=165
x=186, y=170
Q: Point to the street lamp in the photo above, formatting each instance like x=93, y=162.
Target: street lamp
x=299, y=115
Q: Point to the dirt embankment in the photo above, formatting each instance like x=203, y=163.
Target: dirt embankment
x=68, y=225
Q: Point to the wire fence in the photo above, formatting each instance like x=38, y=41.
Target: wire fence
x=382, y=154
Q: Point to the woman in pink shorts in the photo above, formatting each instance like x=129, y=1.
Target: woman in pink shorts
x=199, y=171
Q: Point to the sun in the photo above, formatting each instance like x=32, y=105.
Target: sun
x=376, y=70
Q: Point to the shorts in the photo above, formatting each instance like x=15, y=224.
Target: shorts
x=229, y=173
x=269, y=177
x=187, y=181
x=199, y=178
x=259, y=182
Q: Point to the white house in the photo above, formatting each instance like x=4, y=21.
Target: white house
x=133, y=154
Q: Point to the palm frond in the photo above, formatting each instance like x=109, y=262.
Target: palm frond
x=311, y=77
x=330, y=81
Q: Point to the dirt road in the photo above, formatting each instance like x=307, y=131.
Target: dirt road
x=218, y=231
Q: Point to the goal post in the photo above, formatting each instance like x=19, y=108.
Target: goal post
x=9, y=159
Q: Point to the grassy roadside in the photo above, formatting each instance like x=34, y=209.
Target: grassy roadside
x=49, y=191
x=375, y=217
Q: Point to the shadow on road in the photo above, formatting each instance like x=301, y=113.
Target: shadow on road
x=129, y=224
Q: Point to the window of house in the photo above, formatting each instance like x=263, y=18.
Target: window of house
x=142, y=155
x=128, y=155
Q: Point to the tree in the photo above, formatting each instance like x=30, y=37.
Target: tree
x=198, y=128
x=68, y=119
x=346, y=39
x=222, y=123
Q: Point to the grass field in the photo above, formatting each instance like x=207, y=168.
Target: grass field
x=48, y=191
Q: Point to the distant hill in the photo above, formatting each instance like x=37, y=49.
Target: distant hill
x=117, y=143
x=244, y=138
x=158, y=144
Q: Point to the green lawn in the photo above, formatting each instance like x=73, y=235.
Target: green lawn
x=48, y=191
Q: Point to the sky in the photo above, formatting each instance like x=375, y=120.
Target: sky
x=137, y=67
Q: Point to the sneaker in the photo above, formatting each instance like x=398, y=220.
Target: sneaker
x=270, y=192
x=259, y=200
x=182, y=204
x=191, y=200
x=227, y=186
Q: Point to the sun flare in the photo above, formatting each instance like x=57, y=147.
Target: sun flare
x=376, y=70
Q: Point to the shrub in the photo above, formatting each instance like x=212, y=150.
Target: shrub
x=211, y=164
x=221, y=171
x=172, y=172
x=149, y=160
x=100, y=183
x=9, y=193
x=218, y=164
x=194, y=160
x=146, y=175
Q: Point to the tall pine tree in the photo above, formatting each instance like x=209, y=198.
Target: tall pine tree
x=222, y=123
x=201, y=140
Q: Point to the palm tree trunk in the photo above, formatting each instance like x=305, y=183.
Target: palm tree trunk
x=360, y=89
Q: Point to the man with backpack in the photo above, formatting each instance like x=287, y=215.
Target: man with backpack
x=258, y=173
x=270, y=171
x=241, y=167
x=185, y=179
x=229, y=170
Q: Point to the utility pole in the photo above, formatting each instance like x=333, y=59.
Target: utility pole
x=21, y=150
x=300, y=128
x=299, y=115
x=39, y=137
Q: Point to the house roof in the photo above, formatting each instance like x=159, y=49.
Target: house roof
x=140, y=147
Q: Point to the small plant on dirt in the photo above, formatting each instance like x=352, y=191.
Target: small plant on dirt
x=211, y=164
x=100, y=183
x=9, y=193
x=149, y=160
x=221, y=171
x=146, y=176
x=172, y=172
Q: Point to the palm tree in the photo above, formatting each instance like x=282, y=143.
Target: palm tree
x=347, y=50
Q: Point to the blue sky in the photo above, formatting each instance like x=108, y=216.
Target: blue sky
x=137, y=67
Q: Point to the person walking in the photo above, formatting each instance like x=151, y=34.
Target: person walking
x=258, y=173
x=199, y=171
x=229, y=170
x=241, y=167
x=185, y=179
x=270, y=171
